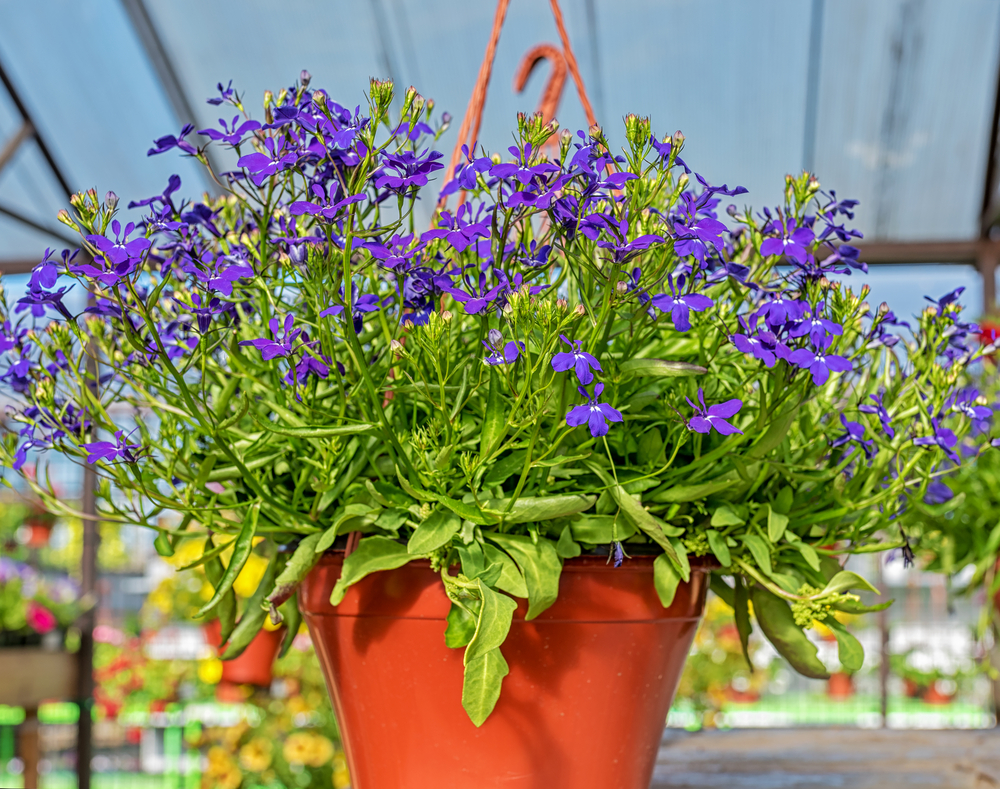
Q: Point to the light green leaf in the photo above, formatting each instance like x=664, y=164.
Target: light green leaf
x=313, y=432
x=494, y=419
x=845, y=580
x=760, y=551
x=774, y=435
x=659, y=368
x=566, y=547
x=485, y=667
x=679, y=494
x=461, y=626
x=719, y=547
x=372, y=555
x=511, y=580
x=468, y=511
x=665, y=579
x=783, y=501
x=540, y=565
x=503, y=468
x=776, y=620
x=528, y=509
x=601, y=529
x=481, y=685
x=636, y=513
x=807, y=551
x=776, y=524
x=741, y=615
x=242, y=548
x=437, y=530
x=849, y=649
x=854, y=607
x=725, y=515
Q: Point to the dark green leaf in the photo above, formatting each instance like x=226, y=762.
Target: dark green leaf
x=721, y=588
x=303, y=560
x=226, y=609
x=292, y=617
x=528, y=509
x=725, y=515
x=679, y=494
x=494, y=419
x=242, y=549
x=776, y=620
x=511, y=580
x=504, y=467
x=601, y=529
x=783, y=501
x=461, y=627
x=254, y=612
x=741, y=615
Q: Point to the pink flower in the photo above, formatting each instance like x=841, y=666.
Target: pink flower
x=40, y=619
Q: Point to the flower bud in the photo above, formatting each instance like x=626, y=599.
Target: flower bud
x=824, y=283
x=622, y=287
x=580, y=310
x=407, y=324
x=562, y=304
x=396, y=347
x=445, y=120
x=494, y=337
x=430, y=106
x=282, y=96
x=637, y=130
x=319, y=99
x=64, y=217
x=305, y=78
x=678, y=139
x=883, y=308
x=382, y=93
x=683, y=180
x=446, y=316
x=268, y=98
x=111, y=201
x=732, y=210
x=418, y=104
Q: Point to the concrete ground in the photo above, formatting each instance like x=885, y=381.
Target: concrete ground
x=825, y=758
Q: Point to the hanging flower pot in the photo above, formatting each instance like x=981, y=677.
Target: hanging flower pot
x=840, y=686
x=254, y=665
x=590, y=682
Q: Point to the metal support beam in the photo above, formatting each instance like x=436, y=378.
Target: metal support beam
x=162, y=64
x=14, y=143
x=65, y=238
x=903, y=252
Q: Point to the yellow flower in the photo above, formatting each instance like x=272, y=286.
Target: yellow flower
x=248, y=580
x=187, y=551
x=255, y=756
x=341, y=777
x=210, y=671
x=230, y=779
x=314, y=750
x=219, y=760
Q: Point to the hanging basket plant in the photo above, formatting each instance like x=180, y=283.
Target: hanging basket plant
x=597, y=354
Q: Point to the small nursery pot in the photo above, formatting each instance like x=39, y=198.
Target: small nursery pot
x=254, y=666
x=840, y=686
x=584, y=705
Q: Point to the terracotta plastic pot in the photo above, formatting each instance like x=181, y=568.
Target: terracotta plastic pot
x=584, y=705
x=253, y=667
x=840, y=686
x=934, y=695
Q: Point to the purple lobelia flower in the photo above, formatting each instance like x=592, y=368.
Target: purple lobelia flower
x=520, y=169
x=326, y=208
x=534, y=256
x=632, y=288
x=120, y=257
x=946, y=300
x=281, y=345
x=879, y=409
x=964, y=402
x=500, y=353
x=782, y=309
x=111, y=451
x=225, y=94
x=231, y=133
x=576, y=358
x=761, y=345
x=361, y=303
x=680, y=306
x=697, y=230
x=714, y=416
x=819, y=363
x=854, y=431
x=789, y=240
x=406, y=170
x=817, y=328
x=476, y=299
x=169, y=142
x=943, y=438
x=308, y=365
x=938, y=493
x=617, y=554
x=263, y=165
x=462, y=229
x=593, y=413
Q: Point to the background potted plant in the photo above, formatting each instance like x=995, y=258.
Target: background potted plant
x=530, y=428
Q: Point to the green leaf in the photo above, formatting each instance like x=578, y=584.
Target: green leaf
x=783, y=501
x=163, y=545
x=540, y=564
x=665, y=579
x=845, y=580
x=292, y=617
x=494, y=419
x=254, y=612
x=741, y=615
x=485, y=666
x=418, y=494
x=469, y=512
x=313, y=432
x=636, y=513
x=511, y=580
x=566, y=547
x=774, y=435
x=776, y=524
x=391, y=519
x=776, y=620
x=659, y=368
x=504, y=467
x=461, y=627
x=760, y=551
x=650, y=447
x=849, y=649
x=242, y=549
x=226, y=609
x=600, y=529
x=854, y=607
x=528, y=509
x=372, y=555
x=807, y=551
x=721, y=588
x=719, y=547
x=725, y=515
x=303, y=560
x=481, y=685
x=679, y=494
x=436, y=531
